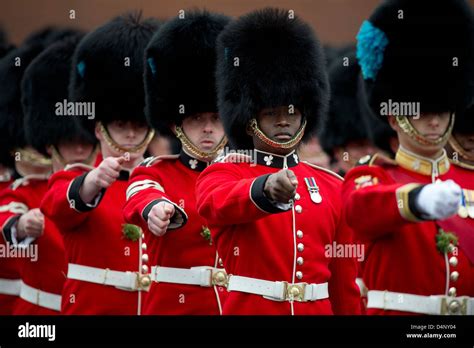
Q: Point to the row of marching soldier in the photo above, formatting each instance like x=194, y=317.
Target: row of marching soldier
x=246, y=218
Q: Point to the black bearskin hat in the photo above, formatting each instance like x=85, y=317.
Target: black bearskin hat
x=345, y=122
x=45, y=83
x=180, y=69
x=269, y=58
x=418, y=51
x=108, y=70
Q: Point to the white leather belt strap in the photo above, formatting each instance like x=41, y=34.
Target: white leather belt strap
x=10, y=286
x=122, y=280
x=432, y=305
x=362, y=288
x=203, y=275
x=279, y=291
x=40, y=298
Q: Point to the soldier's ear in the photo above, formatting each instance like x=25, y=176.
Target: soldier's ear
x=49, y=150
x=249, y=130
x=173, y=128
x=393, y=123
x=98, y=133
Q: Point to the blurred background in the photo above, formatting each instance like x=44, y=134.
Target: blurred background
x=335, y=21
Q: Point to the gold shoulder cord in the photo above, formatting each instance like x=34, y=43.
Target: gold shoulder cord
x=194, y=151
x=111, y=142
x=281, y=145
x=408, y=129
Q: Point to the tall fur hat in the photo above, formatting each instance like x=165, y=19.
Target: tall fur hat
x=180, y=69
x=345, y=122
x=44, y=84
x=418, y=51
x=464, y=122
x=107, y=69
x=12, y=68
x=269, y=58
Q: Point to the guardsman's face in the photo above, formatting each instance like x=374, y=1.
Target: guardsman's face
x=75, y=151
x=280, y=124
x=126, y=134
x=466, y=141
x=205, y=130
x=432, y=126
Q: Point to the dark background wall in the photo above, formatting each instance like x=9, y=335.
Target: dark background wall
x=335, y=21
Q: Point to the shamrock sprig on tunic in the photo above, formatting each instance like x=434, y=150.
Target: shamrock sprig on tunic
x=131, y=232
x=206, y=234
x=444, y=240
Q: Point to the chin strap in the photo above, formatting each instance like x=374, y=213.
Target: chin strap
x=411, y=131
x=459, y=149
x=194, y=151
x=116, y=147
x=279, y=145
x=34, y=158
x=58, y=157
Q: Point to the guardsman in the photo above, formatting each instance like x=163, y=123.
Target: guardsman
x=417, y=74
x=180, y=89
x=345, y=135
x=86, y=203
x=276, y=221
x=20, y=201
x=44, y=83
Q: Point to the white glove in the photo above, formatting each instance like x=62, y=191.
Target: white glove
x=440, y=200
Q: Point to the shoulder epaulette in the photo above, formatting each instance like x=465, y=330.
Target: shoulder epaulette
x=149, y=161
x=324, y=170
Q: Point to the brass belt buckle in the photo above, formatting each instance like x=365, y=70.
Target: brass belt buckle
x=219, y=278
x=456, y=306
x=294, y=292
x=143, y=281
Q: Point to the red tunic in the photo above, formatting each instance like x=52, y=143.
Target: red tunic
x=403, y=255
x=92, y=237
x=259, y=240
x=46, y=267
x=174, y=179
x=8, y=267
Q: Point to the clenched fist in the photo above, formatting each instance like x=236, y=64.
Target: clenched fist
x=101, y=177
x=281, y=186
x=159, y=218
x=31, y=224
x=107, y=172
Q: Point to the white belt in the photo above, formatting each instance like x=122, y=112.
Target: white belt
x=10, y=286
x=40, y=298
x=279, y=291
x=434, y=305
x=362, y=288
x=130, y=281
x=203, y=276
